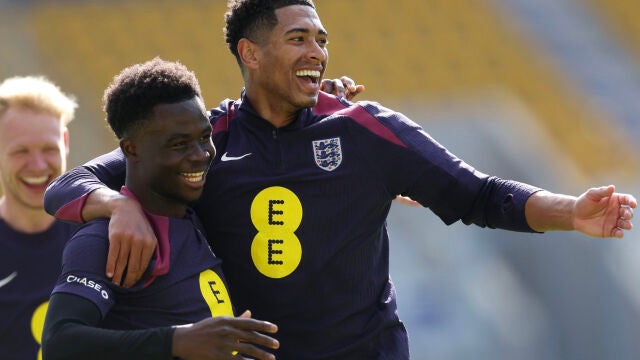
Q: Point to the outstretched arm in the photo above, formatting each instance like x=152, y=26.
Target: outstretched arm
x=90, y=191
x=598, y=212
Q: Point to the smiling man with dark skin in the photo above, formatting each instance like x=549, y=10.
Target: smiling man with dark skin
x=297, y=198
x=156, y=111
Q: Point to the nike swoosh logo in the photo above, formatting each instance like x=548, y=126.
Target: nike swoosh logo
x=231, y=158
x=8, y=279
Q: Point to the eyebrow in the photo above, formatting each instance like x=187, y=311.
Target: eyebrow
x=306, y=31
x=177, y=136
x=180, y=136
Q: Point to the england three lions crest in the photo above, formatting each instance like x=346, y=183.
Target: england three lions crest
x=327, y=153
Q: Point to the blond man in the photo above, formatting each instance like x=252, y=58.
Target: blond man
x=34, y=144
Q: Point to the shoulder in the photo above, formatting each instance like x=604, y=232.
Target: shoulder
x=221, y=116
x=329, y=104
x=90, y=239
x=88, y=248
x=63, y=227
x=376, y=119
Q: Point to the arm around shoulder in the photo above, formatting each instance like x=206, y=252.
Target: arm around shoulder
x=66, y=196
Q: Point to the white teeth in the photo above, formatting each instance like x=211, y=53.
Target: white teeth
x=193, y=177
x=310, y=73
x=36, y=180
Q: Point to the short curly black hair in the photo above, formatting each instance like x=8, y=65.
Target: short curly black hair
x=131, y=96
x=249, y=18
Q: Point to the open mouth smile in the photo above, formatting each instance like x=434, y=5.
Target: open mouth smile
x=312, y=75
x=193, y=177
x=36, y=180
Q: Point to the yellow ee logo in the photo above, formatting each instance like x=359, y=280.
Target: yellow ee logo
x=276, y=213
x=215, y=294
x=37, y=324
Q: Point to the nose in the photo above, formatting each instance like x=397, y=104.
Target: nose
x=317, y=52
x=202, y=153
x=38, y=161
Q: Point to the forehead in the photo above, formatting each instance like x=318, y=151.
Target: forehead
x=181, y=117
x=299, y=17
x=21, y=125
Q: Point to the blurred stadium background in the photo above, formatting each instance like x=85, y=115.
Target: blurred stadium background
x=545, y=91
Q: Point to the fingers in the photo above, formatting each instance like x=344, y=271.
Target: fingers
x=248, y=339
x=132, y=242
x=351, y=89
x=352, y=93
x=596, y=194
x=139, y=257
x=625, y=215
x=243, y=335
x=617, y=233
x=348, y=83
x=327, y=86
x=257, y=338
x=333, y=87
x=406, y=200
x=226, y=338
x=120, y=263
x=112, y=257
x=342, y=87
x=605, y=191
x=624, y=221
x=245, y=323
x=624, y=224
x=133, y=267
x=628, y=201
x=254, y=352
x=625, y=212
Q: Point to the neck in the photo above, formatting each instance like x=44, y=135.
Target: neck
x=156, y=204
x=277, y=113
x=24, y=219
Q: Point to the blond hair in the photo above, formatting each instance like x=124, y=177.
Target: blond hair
x=37, y=93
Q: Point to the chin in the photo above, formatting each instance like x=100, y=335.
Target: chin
x=310, y=101
x=35, y=205
x=192, y=196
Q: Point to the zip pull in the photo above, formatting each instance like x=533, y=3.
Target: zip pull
x=274, y=134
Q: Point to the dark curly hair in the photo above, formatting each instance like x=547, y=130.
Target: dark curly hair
x=131, y=96
x=249, y=18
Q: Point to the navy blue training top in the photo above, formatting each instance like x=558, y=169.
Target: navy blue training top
x=183, y=283
x=298, y=213
x=29, y=267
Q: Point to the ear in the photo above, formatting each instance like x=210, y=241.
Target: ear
x=128, y=147
x=249, y=53
x=65, y=138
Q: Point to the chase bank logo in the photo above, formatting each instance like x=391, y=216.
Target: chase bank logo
x=327, y=153
x=72, y=279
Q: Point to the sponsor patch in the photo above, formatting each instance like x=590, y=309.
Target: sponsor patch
x=88, y=283
x=327, y=153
